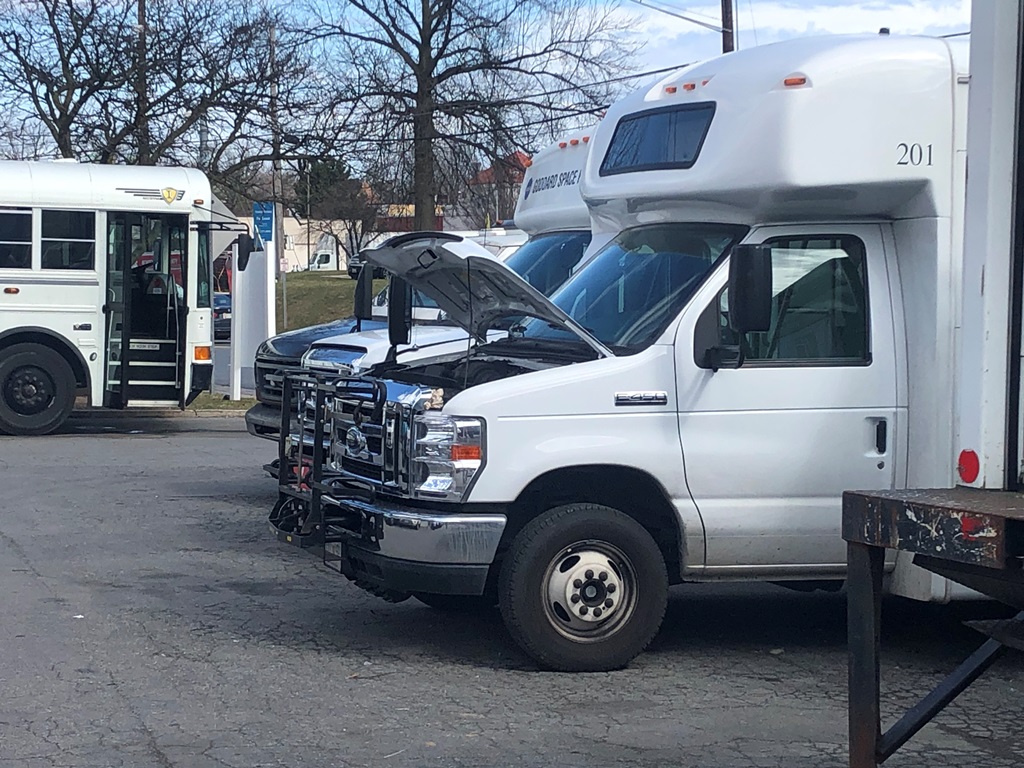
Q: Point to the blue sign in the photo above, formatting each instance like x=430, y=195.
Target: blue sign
x=263, y=220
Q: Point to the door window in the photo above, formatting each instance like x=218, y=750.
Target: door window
x=819, y=305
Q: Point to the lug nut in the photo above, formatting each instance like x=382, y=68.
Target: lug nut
x=597, y=613
x=603, y=576
x=589, y=574
x=575, y=598
x=583, y=610
x=609, y=603
x=577, y=583
x=611, y=588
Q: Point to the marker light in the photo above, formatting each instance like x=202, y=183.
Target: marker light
x=198, y=201
x=968, y=466
x=689, y=86
x=670, y=89
x=586, y=139
x=562, y=145
x=574, y=142
x=794, y=81
x=12, y=291
x=204, y=354
x=467, y=453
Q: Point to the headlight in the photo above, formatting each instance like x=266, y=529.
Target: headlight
x=447, y=453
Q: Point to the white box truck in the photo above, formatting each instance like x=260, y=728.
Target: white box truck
x=646, y=426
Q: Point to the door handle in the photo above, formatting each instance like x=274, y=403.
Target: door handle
x=881, y=435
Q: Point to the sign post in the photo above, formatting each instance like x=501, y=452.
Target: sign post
x=254, y=302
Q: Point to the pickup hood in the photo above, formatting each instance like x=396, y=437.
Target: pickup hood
x=472, y=287
x=357, y=352
x=293, y=344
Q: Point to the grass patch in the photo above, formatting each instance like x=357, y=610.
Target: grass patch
x=212, y=401
x=314, y=297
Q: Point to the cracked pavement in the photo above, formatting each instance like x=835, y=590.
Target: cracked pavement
x=148, y=618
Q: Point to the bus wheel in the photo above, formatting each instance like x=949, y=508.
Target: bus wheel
x=37, y=390
x=583, y=588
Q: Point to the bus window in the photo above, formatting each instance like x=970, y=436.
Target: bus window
x=69, y=240
x=15, y=239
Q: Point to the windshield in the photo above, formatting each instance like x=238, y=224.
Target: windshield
x=546, y=261
x=629, y=292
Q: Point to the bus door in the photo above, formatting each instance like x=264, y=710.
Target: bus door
x=145, y=309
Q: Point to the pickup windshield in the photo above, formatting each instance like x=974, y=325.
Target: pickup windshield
x=629, y=292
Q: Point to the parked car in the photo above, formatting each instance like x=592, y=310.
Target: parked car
x=221, y=316
x=355, y=266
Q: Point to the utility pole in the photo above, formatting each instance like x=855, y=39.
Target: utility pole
x=309, y=231
x=728, y=27
x=204, y=143
x=142, y=88
x=276, y=184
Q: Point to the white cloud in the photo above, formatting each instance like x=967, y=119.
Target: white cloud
x=668, y=40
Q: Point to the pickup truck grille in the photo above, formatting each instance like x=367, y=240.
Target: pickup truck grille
x=269, y=374
x=371, y=436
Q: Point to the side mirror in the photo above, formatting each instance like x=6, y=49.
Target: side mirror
x=246, y=246
x=399, y=311
x=750, y=288
x=363, y=309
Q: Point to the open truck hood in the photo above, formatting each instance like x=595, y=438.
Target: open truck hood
x=472, y=287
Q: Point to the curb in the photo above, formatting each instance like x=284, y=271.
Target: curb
x=188, y=413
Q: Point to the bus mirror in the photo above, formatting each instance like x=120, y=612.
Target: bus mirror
x=363, y=309
x=750, y=288
x=246, y=246
x=399, y=311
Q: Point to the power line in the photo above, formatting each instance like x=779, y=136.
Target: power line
x=651, y=4
x=753, y=26
x=570, y=88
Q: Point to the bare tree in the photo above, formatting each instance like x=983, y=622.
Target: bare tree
x=59, y=60
x=187, y=85
x=485, y=75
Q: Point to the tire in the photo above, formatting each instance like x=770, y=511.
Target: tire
x=37, y=389
x=599, y=557
x=456, y=603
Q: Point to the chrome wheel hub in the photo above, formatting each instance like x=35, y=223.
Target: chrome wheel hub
x=589, y=590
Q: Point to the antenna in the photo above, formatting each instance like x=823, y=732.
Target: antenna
x=472, y=328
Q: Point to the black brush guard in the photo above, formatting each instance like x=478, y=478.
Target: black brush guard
x=307, y=513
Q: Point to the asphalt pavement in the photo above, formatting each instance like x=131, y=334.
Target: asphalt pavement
x=149, y=619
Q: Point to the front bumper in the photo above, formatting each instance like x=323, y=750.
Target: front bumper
x=263, y=420
x=202, y=381
x=395, y=549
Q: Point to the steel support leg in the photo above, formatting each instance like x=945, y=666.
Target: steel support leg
x=864, y=607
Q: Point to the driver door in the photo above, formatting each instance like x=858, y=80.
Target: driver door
x=770, y=447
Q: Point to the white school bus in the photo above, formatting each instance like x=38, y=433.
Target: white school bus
x=105, y=289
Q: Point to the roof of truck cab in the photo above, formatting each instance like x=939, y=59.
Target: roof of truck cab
x=804, y=127
x=549, y=199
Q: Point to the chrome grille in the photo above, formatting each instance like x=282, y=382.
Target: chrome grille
x=269, y=375
x=379, y=452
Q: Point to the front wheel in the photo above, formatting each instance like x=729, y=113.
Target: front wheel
x=583, y=588
x=37, y=390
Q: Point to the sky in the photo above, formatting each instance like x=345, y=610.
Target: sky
x=670, y=41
